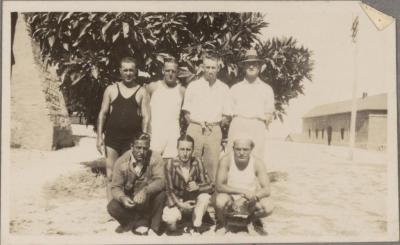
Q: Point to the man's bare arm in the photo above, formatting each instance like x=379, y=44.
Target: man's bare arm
x=105, y=108
x=182, y=91
x=145, y=108
x=222, y=178
x=150, y=88
x=263, y=179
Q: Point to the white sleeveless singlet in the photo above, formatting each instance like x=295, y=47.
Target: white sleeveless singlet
x=165, y=107
x=243, y=179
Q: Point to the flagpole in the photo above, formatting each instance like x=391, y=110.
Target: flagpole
x=353, y=118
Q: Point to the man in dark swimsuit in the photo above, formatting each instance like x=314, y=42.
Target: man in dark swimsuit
x=124, y=113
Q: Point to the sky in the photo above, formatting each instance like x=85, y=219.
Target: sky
x=325, y=28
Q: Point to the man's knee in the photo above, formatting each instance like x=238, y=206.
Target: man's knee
x=114, y=208
x=267, y=205
x=171, y=215
x=160, y=197
x=203, y=199
x=222, y=200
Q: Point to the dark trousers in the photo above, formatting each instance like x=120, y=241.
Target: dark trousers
x=147, y=214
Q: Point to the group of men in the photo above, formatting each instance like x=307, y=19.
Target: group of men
x=155, y=174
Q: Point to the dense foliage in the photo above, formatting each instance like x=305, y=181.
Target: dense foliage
x=86, y=48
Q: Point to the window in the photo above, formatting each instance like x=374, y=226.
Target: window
x=316, y=133
x=342, y=133
x=323, y=131
x=309, y=133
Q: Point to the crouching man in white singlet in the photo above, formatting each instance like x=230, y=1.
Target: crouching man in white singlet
x=241, y=175
x=165, y=105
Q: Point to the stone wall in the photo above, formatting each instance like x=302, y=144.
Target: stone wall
x=39, y=119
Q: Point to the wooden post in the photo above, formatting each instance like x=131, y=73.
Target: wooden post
x=353, y=118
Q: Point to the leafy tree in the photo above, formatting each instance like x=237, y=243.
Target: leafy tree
x=86, y=48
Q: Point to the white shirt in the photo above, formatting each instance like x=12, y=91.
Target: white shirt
x=252, y=99
x=207, y=103
x=185, y=173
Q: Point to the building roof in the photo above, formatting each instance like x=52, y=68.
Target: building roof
x=374, y=102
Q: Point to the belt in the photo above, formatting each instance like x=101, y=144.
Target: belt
x=208, y=126
x=256, y=118
x=209, y=123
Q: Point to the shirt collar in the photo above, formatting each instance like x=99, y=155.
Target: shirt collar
x=256, y=82
x=216, y=84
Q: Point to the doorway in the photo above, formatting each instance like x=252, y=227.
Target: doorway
x=329, y=134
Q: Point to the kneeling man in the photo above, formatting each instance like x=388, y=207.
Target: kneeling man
x=241, y=175
x=137, y=188
x=188, y=186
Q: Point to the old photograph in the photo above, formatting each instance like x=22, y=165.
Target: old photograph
x=198, y=122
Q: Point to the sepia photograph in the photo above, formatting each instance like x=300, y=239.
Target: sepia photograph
x=134, y=122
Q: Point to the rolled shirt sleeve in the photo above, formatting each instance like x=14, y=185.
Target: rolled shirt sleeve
x=269, y=103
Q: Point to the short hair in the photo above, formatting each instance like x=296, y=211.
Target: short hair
x=128, y=59
x=244, y=138
x=211, y=56
x=171, y=60
x=185, y=137
x=140, y=136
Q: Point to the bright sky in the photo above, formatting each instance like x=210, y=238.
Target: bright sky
x=325, y=28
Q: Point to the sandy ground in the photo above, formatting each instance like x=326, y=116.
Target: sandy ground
x=323, y=195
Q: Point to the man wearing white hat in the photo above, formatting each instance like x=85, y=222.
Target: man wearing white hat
x=252, y=105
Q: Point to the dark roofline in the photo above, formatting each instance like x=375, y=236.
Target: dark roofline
x=370, y=103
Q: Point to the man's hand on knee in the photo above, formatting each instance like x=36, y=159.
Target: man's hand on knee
x=127, y=202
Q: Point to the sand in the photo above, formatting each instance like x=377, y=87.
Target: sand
x=323, y=194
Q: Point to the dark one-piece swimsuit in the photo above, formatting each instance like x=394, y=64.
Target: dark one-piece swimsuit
x=123, y=123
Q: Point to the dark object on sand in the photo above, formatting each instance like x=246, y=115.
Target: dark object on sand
x=238, y=216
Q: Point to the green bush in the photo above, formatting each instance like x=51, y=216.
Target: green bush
x=86, y=48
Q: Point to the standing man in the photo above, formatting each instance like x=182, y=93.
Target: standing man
x=188, y=186
x=137, y=188
x=206, y=106
x=242, y=178
x=124, y=113
x=166, y=98
x=253, y=105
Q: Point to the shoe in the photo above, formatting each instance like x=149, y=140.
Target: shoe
x=141, y=231
x=208, y=220
x=194, y=231
x=199, y=230
x=177, y=232
x=257, y=228
x=220, y=229
x=122, y=229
